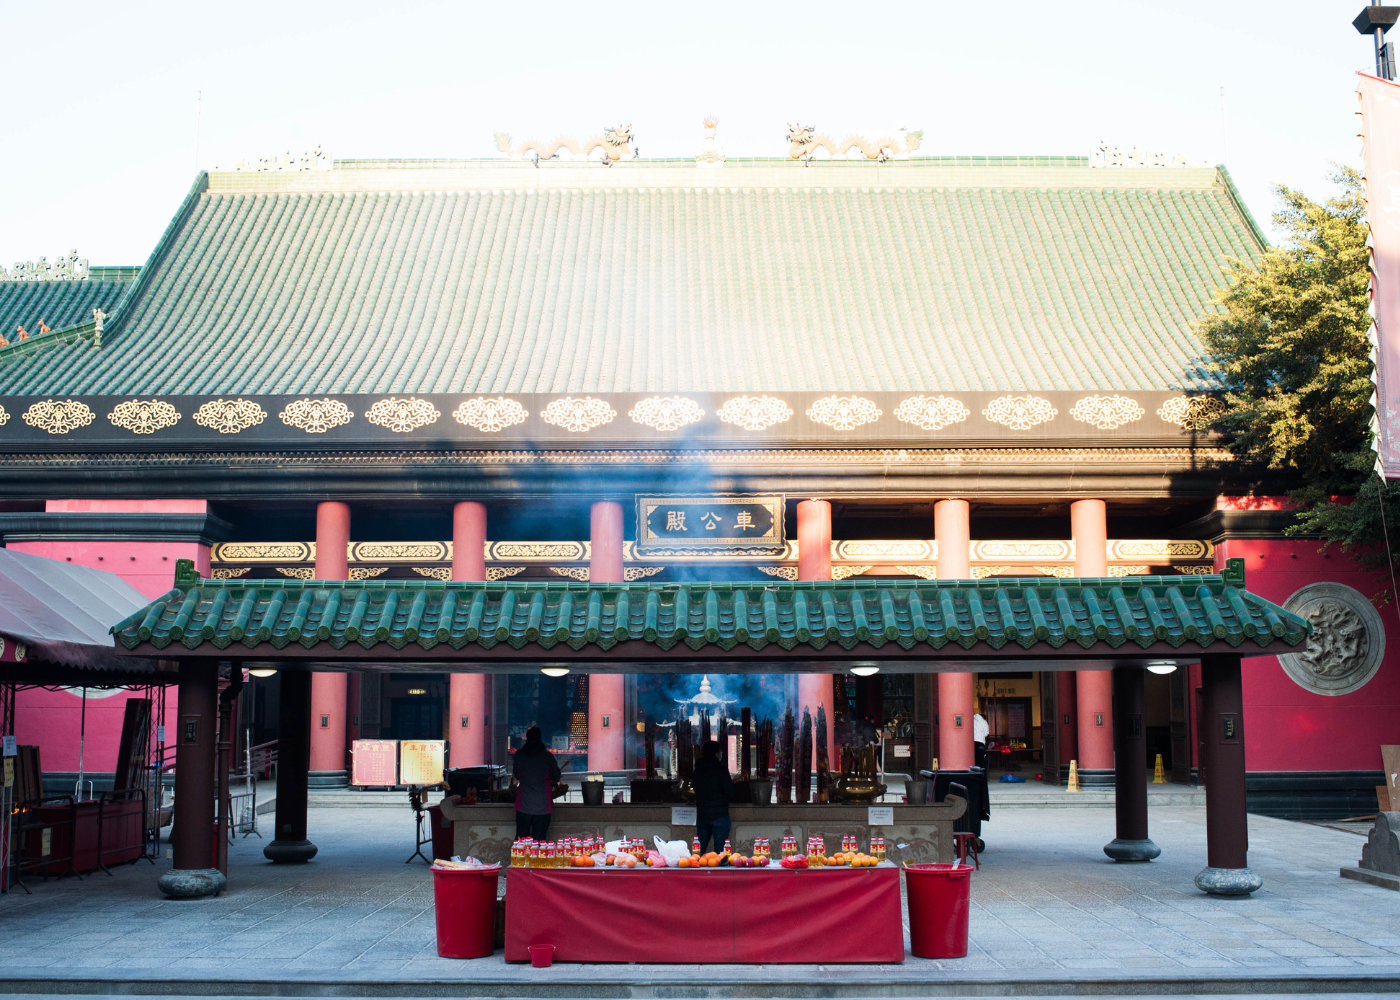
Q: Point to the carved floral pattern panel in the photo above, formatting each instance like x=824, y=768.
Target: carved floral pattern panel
x=843, y=413
x=229, y=416
x=490, y=415
x=578, y=414
x=315, y=416
x=1107, y=412
x=1194, y=413
x=402, y=415
x=58, y=416
x=1347, y=644
x=754, y=413
x=144, y=416
x=666, y=413
x=932, y=413
x=1020, y=413
x=4, y=417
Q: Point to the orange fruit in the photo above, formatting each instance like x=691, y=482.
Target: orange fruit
x=683, y=863
x=713, y=862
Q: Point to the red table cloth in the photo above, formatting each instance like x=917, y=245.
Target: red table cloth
x=705, y=916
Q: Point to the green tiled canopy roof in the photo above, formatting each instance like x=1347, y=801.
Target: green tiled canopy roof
x=1199, y=613
x=492, y=276
x=58, y=303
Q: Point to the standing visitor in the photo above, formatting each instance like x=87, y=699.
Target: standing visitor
x=980, y=729
x=713, y=786
x=536, y=771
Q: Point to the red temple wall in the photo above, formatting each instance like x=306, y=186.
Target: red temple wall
x=1288, y=728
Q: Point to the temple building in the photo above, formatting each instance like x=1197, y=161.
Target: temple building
x=854, y=363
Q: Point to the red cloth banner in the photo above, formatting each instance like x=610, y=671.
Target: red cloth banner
x=706, y=916
x=1380, y=133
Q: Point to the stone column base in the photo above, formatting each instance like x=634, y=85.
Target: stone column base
x=1095, y=777
x=288, y=851
x=1228, y=881
x=190, y=883
x=327, y=779
x=1131, y=850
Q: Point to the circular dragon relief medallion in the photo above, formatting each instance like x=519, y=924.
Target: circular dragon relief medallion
x=1347, y=642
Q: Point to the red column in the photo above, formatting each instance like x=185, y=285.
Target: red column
x=1067, y=701
x=1227, y=871
x=192, y=839
x=606, y=708
x=469, y=695
x=328, y=689
x=1089, y=528
x=813, y=563
x=952, y=529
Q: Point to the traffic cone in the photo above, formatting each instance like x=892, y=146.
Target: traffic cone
x=1073, y=785
x=1158, y=776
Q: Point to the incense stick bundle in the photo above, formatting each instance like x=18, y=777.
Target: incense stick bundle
x=786, y=738
x=802, y=773
x=765, y=748
x=823, y=764
x=746, y=720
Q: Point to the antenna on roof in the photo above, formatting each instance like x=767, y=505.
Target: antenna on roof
x=1376, y=20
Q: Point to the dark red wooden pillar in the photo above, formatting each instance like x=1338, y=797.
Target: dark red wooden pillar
x=289, y=843
x=1227, y=870
x=1130, y=770
x=192, y=840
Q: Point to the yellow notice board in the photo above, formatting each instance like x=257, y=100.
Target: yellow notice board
x=421, y=761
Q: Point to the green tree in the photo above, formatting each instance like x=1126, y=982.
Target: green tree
x=1289, y=343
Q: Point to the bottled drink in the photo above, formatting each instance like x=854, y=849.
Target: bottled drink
x=694, y=845
x=727, y=848
x=879, y=847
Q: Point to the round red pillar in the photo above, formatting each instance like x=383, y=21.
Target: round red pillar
x=606, y=692
x=1227, y=871
x=952, y=530
x=469, y=695
x=1094, y=688
x=192, y=839
x=328, y=689
x=813, y=563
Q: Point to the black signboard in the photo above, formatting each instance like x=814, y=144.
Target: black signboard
x=710, y=522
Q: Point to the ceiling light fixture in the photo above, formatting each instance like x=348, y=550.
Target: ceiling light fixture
x=262, y=673
x=554, y=671
x=864, y=669
x=1162, y=667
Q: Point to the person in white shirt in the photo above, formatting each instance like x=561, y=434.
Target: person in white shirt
x=980, y=729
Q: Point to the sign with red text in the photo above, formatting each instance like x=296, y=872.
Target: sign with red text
x=374, y=762
x=1380, y=128
x=421, y=761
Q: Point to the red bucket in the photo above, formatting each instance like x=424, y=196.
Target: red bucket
x=939, y=903
x=465, y=904
x=541, y=955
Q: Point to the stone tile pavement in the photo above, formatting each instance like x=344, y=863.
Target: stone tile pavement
x=1048, y=908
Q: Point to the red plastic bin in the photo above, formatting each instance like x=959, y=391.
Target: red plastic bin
x=939, y=903
x=465, y=903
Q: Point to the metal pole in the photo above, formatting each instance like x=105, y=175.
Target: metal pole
x=82, y=740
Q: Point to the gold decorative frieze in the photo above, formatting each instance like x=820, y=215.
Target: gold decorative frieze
x=982, y=572
x=262, y=552
x=988, y=550
x=536, y=551
x=932, y=413
x=1193, y=413
x=843, y=413
x=1159, y=550
x=315, y=416
x=4, y=416
x=578, y=414
x=1020, y=413
x=666, y=413
x=754, y=413
x=230, y=572
x=632, y=573
x=144, y=416
x=781, y=572
x=846, y=572
x=1107, y=412
x=495, y=573
x=58, y=416
x=490, y=415
x=298, y=572
x=367, y=572
x=402, y=415
x=398, y=552
x=1195, y=570
x=434, y=572
x=579, y=573
x=1127, y=570
x=229, y=416
x=1058, y=571
x=923, y=572
x=883, y=551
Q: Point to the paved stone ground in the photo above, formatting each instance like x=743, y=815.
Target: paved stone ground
x=1047, y=906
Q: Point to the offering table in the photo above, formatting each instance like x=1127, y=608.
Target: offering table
x=485, y=831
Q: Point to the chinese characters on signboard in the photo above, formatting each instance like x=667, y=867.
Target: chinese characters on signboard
x=421, y=761
x=710, y=522
x=374, y=762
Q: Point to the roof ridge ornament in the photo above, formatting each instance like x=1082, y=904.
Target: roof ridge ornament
x=286, y=161
x=69, y=268
x=1116, y=156
x=711, y=154
x=615, y=143
x=804, y=141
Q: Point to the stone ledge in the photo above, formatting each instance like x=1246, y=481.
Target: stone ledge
x=1381, y=879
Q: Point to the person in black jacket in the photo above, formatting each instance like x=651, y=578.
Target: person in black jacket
x=713, y=786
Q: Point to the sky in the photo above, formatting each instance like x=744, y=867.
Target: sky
x=99, y=152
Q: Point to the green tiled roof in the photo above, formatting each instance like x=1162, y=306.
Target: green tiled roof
x=58, y=303
x=503, y=277
x=1199, y=613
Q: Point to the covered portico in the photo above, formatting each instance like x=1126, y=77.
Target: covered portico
x=1110, y=624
